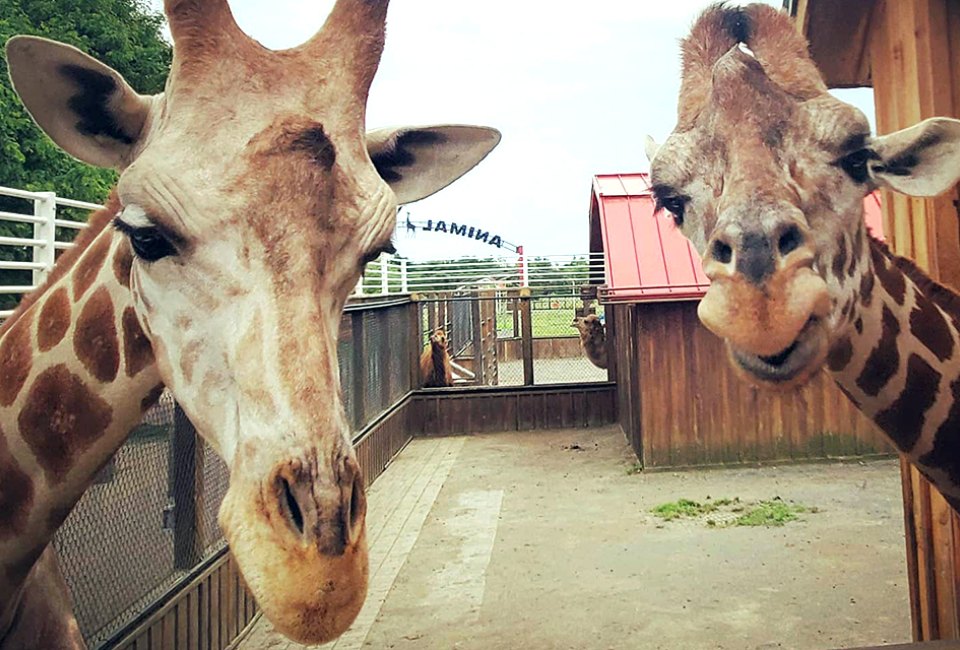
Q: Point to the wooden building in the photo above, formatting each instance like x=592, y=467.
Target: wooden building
x=680, y=402
x=908, y=51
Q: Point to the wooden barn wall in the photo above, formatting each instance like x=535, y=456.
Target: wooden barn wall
x=914, y=49
x=629, y=406
x=467, y=411
x=682, y=404
x=211, y=611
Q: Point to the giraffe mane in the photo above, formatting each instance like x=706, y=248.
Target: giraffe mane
x=940, y=295
x=95, y=225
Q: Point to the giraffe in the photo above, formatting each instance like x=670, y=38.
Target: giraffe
x=435, y=368
x=593, y=339
x=249, y=200
x=765, y=174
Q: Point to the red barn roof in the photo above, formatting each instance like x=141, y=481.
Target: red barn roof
x=646, y=258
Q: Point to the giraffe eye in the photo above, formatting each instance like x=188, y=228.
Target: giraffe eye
x=148, y=243
x=673, y=204
x=855, y=164
x=388, y=248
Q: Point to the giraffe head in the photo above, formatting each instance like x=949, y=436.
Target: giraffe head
x=252, y=198
x=589, y=326
x=439, y=338
x=766, y=174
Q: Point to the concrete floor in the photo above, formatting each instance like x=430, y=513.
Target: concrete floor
x=545, y=540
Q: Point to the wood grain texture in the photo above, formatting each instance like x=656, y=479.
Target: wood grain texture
x=681, y=403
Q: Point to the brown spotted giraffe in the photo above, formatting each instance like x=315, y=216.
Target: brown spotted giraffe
x=593, y=339
x=766, y=173
x=248, y=202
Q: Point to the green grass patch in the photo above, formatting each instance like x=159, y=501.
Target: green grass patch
x=721, y=513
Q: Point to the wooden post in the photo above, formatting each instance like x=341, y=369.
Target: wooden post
x=526, y=334
x=477, y=339
x=610, y=322
x=185, y=452
x=416, y=342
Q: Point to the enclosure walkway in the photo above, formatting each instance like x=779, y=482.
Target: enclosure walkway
x=546, y=540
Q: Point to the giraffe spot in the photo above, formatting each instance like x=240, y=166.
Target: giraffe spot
x=866, y=289
x=884, y=359
x=137, y=351
x=122, y=263
x=60, y=419
x=891, y=279
x=16, y=493
x=88, y=266
x=903, y=419
x=58, y=515
x=931, y=328
x=16, y=359
x=151, y=398
x=95, y=338
x=840, y=261
x=840, y=354
x=54, y=319
x=18, y=571
x=945, y=453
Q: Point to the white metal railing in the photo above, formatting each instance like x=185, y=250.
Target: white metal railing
x=553, y=273
x=44, y=243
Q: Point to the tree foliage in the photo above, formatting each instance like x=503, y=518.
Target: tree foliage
x=124, y=34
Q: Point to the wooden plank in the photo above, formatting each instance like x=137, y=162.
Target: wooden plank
x=526, y=335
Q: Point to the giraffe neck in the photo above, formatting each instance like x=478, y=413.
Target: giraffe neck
x=76, y=373
x=899, y=362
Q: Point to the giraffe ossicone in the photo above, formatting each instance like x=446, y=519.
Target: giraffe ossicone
x=250, y=197
x=766, y=174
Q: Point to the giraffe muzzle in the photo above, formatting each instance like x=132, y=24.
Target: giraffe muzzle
x=764, y=290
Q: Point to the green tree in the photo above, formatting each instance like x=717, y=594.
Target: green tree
x=124, y=34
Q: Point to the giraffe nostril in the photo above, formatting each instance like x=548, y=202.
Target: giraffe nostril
x=722, y=252
x=289, y=506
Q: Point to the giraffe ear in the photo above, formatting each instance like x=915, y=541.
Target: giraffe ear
x=84, y=106
x=923, y=160
x=650, y=147
x=418, y=161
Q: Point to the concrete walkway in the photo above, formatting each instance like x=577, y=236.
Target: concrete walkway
x=546, y=540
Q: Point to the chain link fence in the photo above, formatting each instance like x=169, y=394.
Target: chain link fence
x=489, y=344
x=151, y=517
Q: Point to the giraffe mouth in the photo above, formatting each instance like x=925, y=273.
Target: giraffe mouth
x=791, y=365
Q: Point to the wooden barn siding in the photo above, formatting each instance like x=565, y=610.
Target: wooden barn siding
x=914, y=49
x=486, y=410
x=214, y=609
x=681, y=403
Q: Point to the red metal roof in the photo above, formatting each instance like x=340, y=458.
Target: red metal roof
x=646, y=257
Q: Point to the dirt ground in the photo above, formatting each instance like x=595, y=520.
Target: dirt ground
x=546, y=540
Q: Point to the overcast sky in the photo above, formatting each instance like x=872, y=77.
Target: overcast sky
x=573, y=87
